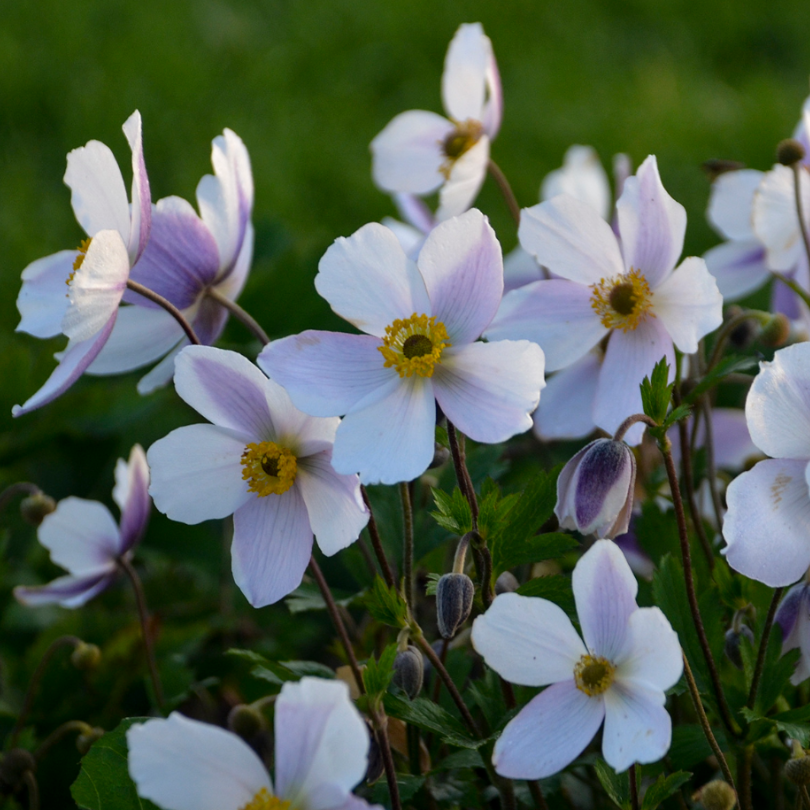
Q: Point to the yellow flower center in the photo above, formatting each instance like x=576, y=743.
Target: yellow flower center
x=622, y=302
x=77, y=263
x=264, y=800
x=593, y=674
x=414, y=345
x=460, y=140
x=270, y=469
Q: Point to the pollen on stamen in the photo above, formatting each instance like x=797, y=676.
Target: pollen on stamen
x=264, y=800
x=593, y=674
x=77, y=262
x=414, y=345
x=622, y=302
x=268, y=468
x=460, y=140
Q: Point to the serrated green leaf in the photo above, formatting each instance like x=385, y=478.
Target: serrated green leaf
x=432, y=583
x=728, y=365
x=556, y=588
x=656, y=392
x=308, y=597
x=378, y=673
x=795, y=723
x=675, y=415
x=663, y=788
x=278, y=672
x=429, y=716
x=104, y=782
x=689, y=746
x=466, y=758
x=616, y=785
x=452, y=511
x=385, y=604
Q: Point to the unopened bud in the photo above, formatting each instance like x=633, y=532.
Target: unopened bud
x=797, y=770
x=440, y=455
x=732, y=644
x=13, y=766
x=775, y=331
x=454, y=598
x=744, y=334
x=717, y=795
x=506, y=583
x=245, y=721
x=34, y=508
x=409, y=671
x=86, y=739
x=85, y=656
x=789, y=151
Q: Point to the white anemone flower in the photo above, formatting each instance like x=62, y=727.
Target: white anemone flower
x=321, y=753
x=629, y=657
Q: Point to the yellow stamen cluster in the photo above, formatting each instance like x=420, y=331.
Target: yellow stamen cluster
x=622, y=302
x=264, y=800
x=593, y=674
x=460, y=140
x=77, y=263
x=414, y=345
x=270, y=469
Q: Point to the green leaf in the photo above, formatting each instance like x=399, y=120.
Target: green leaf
x=728, y=365
x=453, y=511
x=429, y=716
x=556, y=588
x=616, y=785
x=656, y=392
x=493, y=508
x=675, y=415
x=378, y=673
x=663, y=788
x=385, y=604
x=309, y=597
x=104, y=782
x=689, y=746
x=432, y=583
x=408, y=788
x=277, y=672
x=466, y=758
x=776, y=672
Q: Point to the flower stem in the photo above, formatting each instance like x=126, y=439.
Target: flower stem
x=630, y=421
x=380, y=726
x=744, y=763
x=376, y=541
x=167, y=305
x=407, y=552
x=33, y=790
x=537, y=794
x=20, y=488
x=506, y=190
x=462, y=474
x=797, y=191
x=763, y=647
x=633, y=773
x=148, y=641
x=58, y=733
x=244, y=317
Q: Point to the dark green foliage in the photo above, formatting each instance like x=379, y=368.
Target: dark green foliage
x=385, y=604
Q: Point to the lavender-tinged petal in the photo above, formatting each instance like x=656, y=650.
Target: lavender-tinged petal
x=556, y=314
x=68, y=591
x=231, y=283
x=605, y=593
x=802, y=671
x=183, y=764
x=493, y=107
x=732, y=441
x=410, y=239
x=581, y=176
x=415, y=212
x=196, y=473
x=528, y=641
x=738, y=268
x=783, y=299
x=520, y=269
x=464, y=76
x=327, y=373
x=652, y=225
x=72, y=364
x=389, y=436
x=638, y=559
x=43, y=300
x=132, y=495
x=272, y=544
x=653, y=654
x=325, y=744
x=162, y=374
x=731, y=203
x=209, y=321
x=548, y=733
x=768, y=522
x=787, y=616
x=570, y=238
x=467, y=175
x=462, y=266
x=407, y=155
x=141, y=208
x=489, y=390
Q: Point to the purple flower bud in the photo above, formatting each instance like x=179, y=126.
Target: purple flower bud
x=595, y=489
x=409, y=671
x=454, y=598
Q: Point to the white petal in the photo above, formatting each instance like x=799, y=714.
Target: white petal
x=581, y=176
x=410, y=239
x=738, y=267
x=637, y=726
x=335, y=506
x=493, y=107
x=570, y=238
x=272, y=544
x=231, y=284
x=548, y=733
x=69, y=591
x=519, y=269
x=464, y=76
x=197, y=473
x=528, y=641
x=368, y=280
x=466, y=178
x=489, y=390
x=407, y=154
x=43, y=298
x=767, y=526
x=162, y=374
x=689, y=304
x=732, y=201
x=141, y=208
x=321, y=743
x=392, y=438
x=653, y=654
x=605, y=592
x=776, y=222
x=182, y=764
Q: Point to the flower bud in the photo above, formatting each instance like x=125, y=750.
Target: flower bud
x=440, y=455
x=85, y=656
x=454, y=598
x=595, y=489
x=86, y=739
x=409, y=671
x=789, y=152
x=732, y=644
x=775, y=331
x=12, y=767
x=506, y=583
x=245, y=721
x=797, y=770
x=34, y=508
x=717, y=795
x=714, y=167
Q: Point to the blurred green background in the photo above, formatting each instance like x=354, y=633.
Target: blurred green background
x=307, y=85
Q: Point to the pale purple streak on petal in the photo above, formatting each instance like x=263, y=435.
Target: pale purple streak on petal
x=132, y=494
x=567, y=409
x=570, y=238
x=784, y=300
x=467, y=175
x=519, y=269
x=630, y=357
x=581, y=176
x=407, y=155
x=183, y=764
x=415, y=212
x=272, y=544
x=689, y=304
x=389, y=436
x=464, y=76
x=778, y=405
x=462, y=266
x=162, y=374
x=528, y=641
x=368, y=280
x=548, y=733
x=196, y=473
x=556, y=314
x=209, y=321
x=768, y=522
x=651, y=224
x=327, y=373
x=43, y=298
x=493, y=107
x=226, y=388
x=98, y=195
x=776, y=222
x=141, y=208
x=72, y=364
x=337, y=513
x=489, y=390
x=321, y=744
x=231, y=284
x=731, y=203
x=738, y=268
x=653, y=654
x=605, y=593
x=787, y=616
x=68, y=591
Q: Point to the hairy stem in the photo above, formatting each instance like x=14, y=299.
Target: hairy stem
x=376, y=541
x=245, y=318
x=506, y=190
x=33, y=790
x=462, y=475
x=763, y=647
x=633, y=774
x=630, y=421
x=59, y=733
x=168, y=306
x=407, y=551
x=380, y=726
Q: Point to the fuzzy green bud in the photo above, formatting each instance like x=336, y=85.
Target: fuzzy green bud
x=246, y=721
x=409, y=671
x=454, y=598
x=718, y=795
x=789, y=151
x=86, y=739
x=775, y=331
x=797, y=770
x=85, y=656
x=34, y=508
x=440, y=456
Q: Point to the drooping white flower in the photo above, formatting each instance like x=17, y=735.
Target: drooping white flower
x=629, y=657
